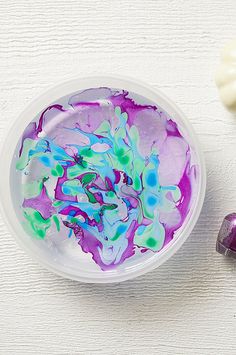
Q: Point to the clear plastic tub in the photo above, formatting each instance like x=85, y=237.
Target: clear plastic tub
x=103, y=179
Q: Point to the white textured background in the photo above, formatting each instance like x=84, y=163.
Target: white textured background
x=188, y=305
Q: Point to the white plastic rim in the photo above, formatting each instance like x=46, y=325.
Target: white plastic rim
x=7, y=151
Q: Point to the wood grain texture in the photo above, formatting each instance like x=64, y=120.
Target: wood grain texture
x=188, y=305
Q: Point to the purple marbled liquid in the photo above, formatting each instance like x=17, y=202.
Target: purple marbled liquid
x=106, y=168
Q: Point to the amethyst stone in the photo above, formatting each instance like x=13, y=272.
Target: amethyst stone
x=226, y=241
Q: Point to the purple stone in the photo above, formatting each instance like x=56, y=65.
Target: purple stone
x=226, y=241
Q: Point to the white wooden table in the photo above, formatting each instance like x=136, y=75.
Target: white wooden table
x=188, y=305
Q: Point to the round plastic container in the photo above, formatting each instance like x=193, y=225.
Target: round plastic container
x=102, y=179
